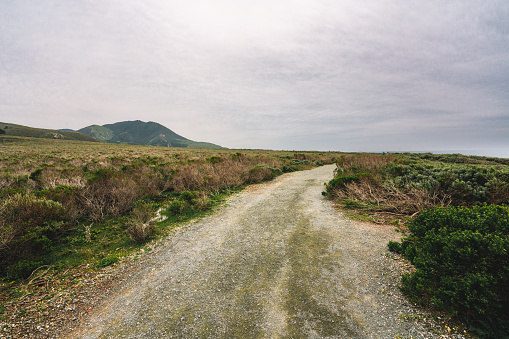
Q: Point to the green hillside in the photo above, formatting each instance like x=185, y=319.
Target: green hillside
x=30, y=132
x=142, y=133
x=99, y=132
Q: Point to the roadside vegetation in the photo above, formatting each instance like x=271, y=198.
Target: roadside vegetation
x=453, y=210
x=67, y=206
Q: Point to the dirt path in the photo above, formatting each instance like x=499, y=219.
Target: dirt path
x=277, y=262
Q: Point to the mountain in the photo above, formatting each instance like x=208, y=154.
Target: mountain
x=24, y=131
x=141, y=133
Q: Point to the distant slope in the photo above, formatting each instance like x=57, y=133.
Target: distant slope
x=142, y=133
x=24, y=131
x=99, y=132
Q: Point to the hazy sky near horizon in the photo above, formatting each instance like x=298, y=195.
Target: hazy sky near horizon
x=280, y=74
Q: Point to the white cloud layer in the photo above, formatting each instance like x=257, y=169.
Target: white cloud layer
x=326, y=75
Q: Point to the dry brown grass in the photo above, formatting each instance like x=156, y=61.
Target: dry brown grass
x=363, y=160
x=378, y=195
x=139, y=172
x=141, y=225
x=388, y=198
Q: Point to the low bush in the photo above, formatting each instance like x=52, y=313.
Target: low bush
x=139, y=231
x=28, y=225
x=66, y=195
x=461, y=260
x=340, y=181
x=289, y=169
x=189, y=202
x=22, y=269
x=260, y=173
x=214, y=159
x=141, y=224
x=36, y=175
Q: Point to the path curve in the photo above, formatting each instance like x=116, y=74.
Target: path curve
x=276, y=262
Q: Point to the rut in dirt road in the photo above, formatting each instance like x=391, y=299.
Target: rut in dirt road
x=277, y=262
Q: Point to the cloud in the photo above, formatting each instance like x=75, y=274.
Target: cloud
x=286, y=74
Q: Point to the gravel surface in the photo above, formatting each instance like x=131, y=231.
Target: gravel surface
x=276, y=262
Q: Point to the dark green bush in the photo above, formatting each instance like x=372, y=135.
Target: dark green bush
x=214, y=159
x=21, y=270
x=342, y=180
x=461, y=257
x=394, y=246
x=36, y=175
x=288, y=169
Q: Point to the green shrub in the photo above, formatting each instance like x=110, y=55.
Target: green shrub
x=66, y=195
x=10, y=191
x=36, y=175
x=189, y=202
x=394, y=246
x=188, y=196
x=340, y=181
x=21, y=270
x=214, y=159
x=288, y=169
x=461, y=257
x=28, y=225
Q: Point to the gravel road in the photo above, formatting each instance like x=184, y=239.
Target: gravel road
x=276, y=262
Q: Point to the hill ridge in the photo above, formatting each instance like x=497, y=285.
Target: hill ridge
x=138, y=132
x=33, y=132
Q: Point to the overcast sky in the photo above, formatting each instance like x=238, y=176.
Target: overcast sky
x=342, y=75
